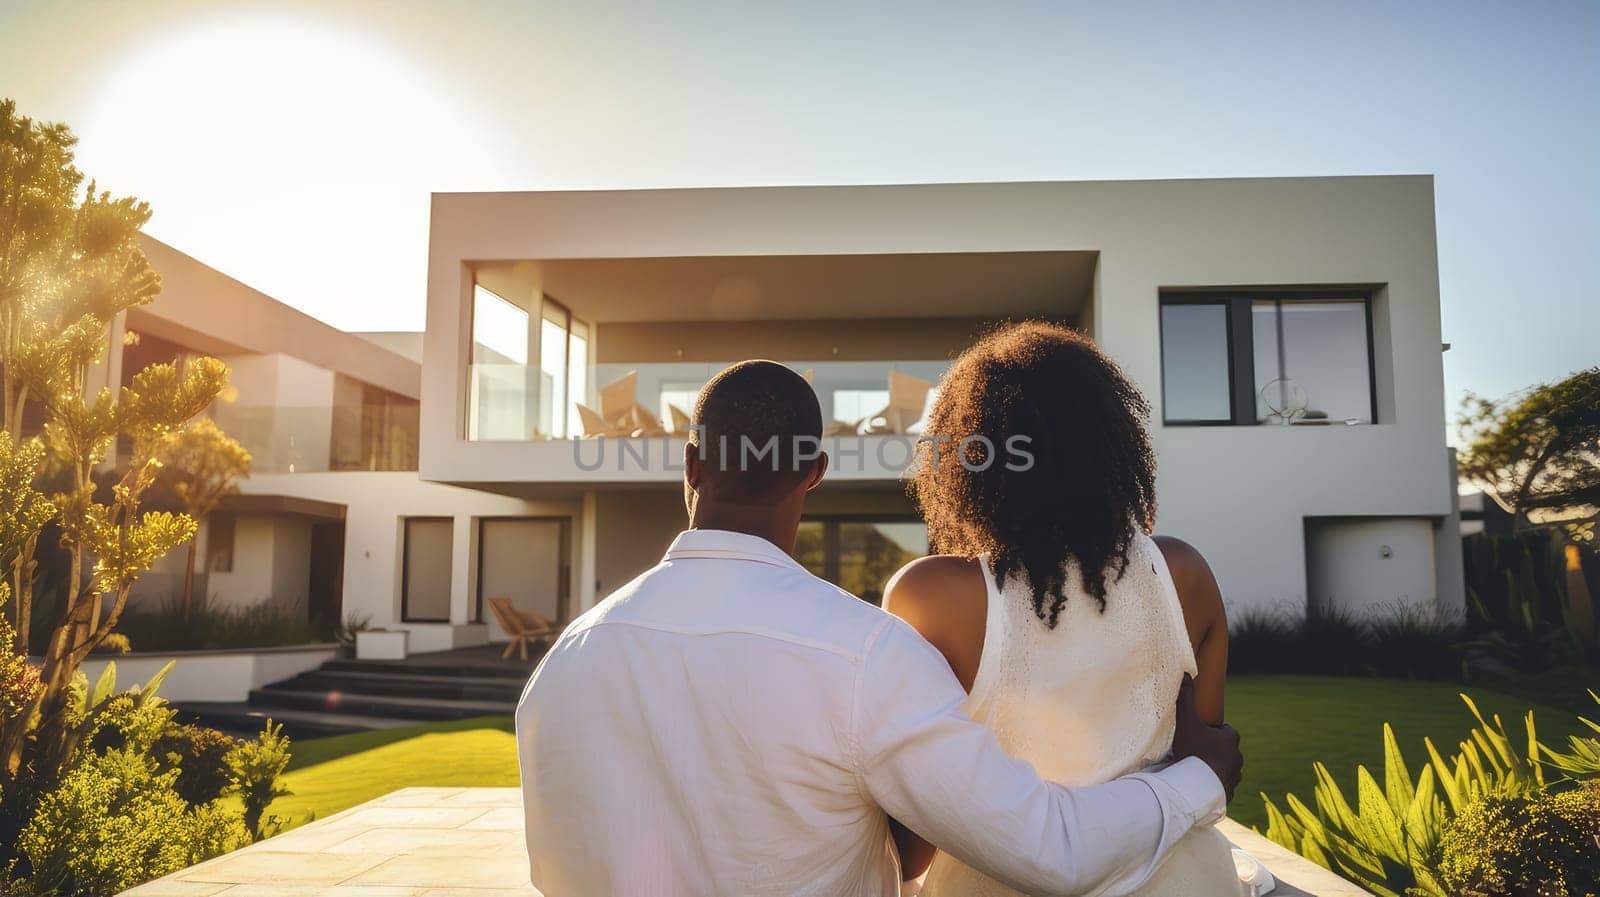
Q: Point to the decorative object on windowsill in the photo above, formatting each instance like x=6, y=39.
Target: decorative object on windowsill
x=1286, y=402
x=382, y=644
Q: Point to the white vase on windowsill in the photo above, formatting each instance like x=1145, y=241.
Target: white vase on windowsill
x=381, y=644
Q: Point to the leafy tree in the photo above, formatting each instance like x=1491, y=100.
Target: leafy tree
x=202, y=465
x=70, y=264
x=1537, y=449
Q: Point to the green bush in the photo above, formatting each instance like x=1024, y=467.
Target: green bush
x=1545, y=844
x=115, y=818
x=139, y=797
x=265, y=625
x=1416, y=641
x=1402, y=640
x=198, y=754
x=255, y=768
x=115, y=821
x=1263, y=640
x=1334, y=642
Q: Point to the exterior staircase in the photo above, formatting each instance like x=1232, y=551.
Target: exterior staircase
x=344, y=696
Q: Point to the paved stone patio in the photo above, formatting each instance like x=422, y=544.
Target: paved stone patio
x=467, y=842
x=415, y=842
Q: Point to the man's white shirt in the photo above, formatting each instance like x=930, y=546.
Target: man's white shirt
x=728, y=723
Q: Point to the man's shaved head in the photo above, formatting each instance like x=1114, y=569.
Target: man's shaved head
x=758, y=428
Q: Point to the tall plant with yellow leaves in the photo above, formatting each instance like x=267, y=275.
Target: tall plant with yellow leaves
x=70, y=264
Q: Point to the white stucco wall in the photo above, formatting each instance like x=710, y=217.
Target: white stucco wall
x=375, y=504
x=1241, y=494
x=212, y=675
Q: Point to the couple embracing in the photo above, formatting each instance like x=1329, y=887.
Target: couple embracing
x=1038, y=708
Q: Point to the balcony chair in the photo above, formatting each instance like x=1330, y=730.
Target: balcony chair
x=619, y=398
x=645, y=423
x=908, y=395
x=595, y=425
x=523, y=627
x=680, y=421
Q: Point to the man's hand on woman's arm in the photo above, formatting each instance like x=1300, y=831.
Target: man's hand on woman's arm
x=1218, y=746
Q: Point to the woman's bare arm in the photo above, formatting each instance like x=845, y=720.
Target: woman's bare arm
x=1205, y=618
x=944, y=598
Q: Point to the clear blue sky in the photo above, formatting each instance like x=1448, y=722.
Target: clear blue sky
x=294, y=146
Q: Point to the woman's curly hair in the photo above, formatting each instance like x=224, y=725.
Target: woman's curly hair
x=1049, y=392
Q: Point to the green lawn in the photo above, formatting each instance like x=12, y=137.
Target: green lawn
x=1287, y=722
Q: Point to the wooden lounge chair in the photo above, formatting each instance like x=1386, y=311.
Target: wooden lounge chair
x=908, y=395
x=523, y=627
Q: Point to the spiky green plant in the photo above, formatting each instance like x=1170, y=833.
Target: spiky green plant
x=1388, y=842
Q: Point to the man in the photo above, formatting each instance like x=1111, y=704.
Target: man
x=727, y=723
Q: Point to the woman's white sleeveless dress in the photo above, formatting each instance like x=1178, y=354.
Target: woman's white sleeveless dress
x=1088, y=701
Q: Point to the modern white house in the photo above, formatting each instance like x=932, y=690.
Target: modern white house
x=1285, y=330
x=333, y=511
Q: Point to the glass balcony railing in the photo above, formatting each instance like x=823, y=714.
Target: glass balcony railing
x=514, y=402
x=319, y=439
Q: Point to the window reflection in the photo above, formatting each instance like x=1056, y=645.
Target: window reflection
x=1311, y=361
x=859, y=555
x=1194, y=363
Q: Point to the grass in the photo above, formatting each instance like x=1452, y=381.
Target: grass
x=327, y=775
x=1287, y=722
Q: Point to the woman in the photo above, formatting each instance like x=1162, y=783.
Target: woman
x=1069, y=625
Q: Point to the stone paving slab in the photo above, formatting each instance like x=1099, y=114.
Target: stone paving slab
x=415, y=842
x=467, y=842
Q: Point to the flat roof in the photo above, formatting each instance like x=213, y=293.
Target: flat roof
x=201, y=308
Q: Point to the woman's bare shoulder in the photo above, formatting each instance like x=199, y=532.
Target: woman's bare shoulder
x=1198, y=593
x=938, y=582
x=945, y=599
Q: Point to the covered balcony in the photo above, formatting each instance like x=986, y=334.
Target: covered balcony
x=595, y=363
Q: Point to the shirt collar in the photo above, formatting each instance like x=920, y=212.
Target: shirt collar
x=727, y=545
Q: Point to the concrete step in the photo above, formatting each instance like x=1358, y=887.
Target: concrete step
x=416, y=684
x=435, y=668
x=245, y=721
x=388, y=706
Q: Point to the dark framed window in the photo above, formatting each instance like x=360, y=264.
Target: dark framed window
x=1267, y=357
x=427, y=553
x=860, y=553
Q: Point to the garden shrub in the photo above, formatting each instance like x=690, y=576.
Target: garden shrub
x=255, y=768
x=1416, y=641
x=115, y=821
x=1334, y=642
x=1262, y=640
x=1544, y=844
x=197, y=753
x=115, y=818
x=268, y=624
x=1403, y=640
